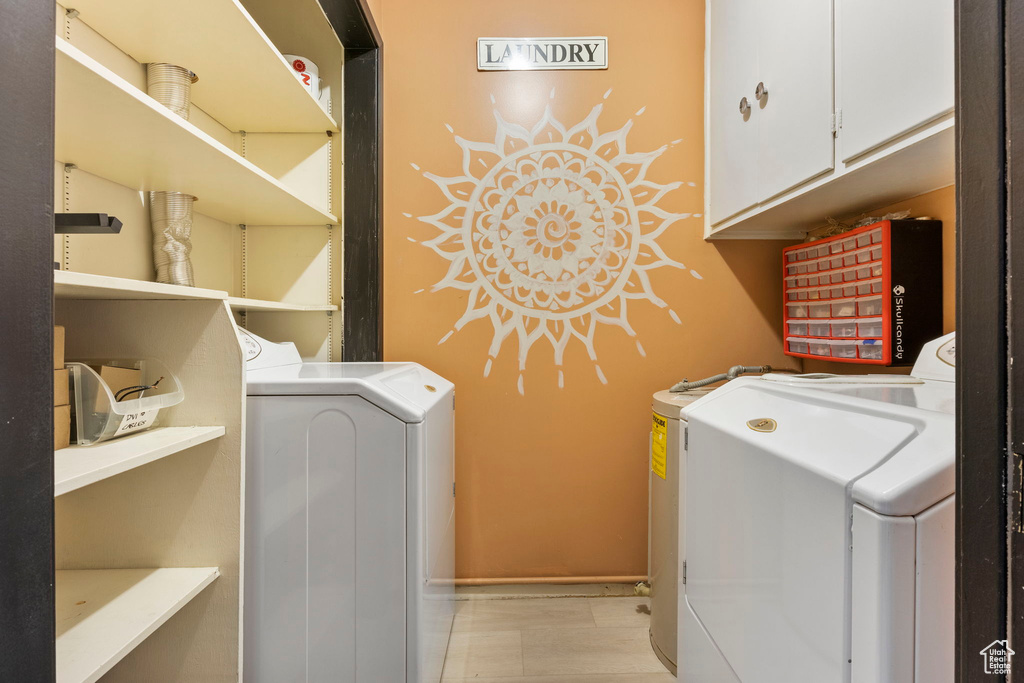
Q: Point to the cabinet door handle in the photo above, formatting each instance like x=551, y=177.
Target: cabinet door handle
x=760, y=92
x=744, y=106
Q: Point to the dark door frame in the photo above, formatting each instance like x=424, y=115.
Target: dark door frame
x=26, y=342
x=990, y=331
x=363, y=323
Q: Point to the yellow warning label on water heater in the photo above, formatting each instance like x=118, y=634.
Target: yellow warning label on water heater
x=659, y=445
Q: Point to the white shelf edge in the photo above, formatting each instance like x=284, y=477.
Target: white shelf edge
x=103, y=614
x=242, y=304
x=79, y=466
x=85, y=61
x=71, y=285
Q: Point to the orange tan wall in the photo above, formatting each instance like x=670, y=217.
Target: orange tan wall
x=556, y=333
x=941, y=205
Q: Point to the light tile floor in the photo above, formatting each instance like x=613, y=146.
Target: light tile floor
x=553, y=640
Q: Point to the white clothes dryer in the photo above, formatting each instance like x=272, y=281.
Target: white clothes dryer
x=349, y=519
x=818, y=524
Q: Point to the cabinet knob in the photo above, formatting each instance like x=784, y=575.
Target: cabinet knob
x=760, y=92
x=744, y=106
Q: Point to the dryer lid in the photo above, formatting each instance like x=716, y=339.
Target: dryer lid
x=406, y=390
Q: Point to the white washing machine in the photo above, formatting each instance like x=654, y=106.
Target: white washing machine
x=349, y=519
x=819, y=529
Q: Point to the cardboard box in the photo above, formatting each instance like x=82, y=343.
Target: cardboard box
x=61, y=395
x=58, y=347
x=61, y=427
x=119, y=378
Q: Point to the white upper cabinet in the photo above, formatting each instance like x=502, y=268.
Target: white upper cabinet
x=897, y=69
x=794, y=64
x=819, y=108
x=731, y=124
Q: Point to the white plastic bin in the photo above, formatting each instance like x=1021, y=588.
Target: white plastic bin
x=98, y=416
x=819, y=347
x=818, y=309
x=797, y=327
x=870, y=349
x=869, y=327
x=819, y=328
x=797, y=309
x=796, y=345
x=842, y=348
x=845, y=329
x=844, y=308
x=869, y=306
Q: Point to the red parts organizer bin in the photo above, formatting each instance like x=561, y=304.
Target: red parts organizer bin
x=872, y=295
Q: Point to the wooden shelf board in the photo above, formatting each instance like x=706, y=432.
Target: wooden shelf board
x=244, y=82
x=71, y=285
x=80, y=466
x=109, y=128
x=103, y=614
x=240, y=304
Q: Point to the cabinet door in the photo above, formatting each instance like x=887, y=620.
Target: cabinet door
x=732, y=135
x=796, y=142
x=896, y=61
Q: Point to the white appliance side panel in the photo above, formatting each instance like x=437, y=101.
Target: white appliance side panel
x=325, y=540
x=768, y=527
x=893, y=79
x=732, y=136
x=884, y=552
x=936, y=569
x=794, y=48
x=431, y=531
x=700, y=661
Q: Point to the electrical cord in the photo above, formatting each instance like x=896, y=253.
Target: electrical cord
x=733, y=372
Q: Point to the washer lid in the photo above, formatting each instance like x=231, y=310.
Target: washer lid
x=406, y=390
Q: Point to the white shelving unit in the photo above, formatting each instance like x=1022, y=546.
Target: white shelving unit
x=244, y=82
x=108, y=127
x=80, y=466
x=103, y=614
x=247, y=305
x=71, y=285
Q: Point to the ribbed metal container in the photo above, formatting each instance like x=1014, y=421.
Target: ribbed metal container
x=170, y=214
x=171, y=86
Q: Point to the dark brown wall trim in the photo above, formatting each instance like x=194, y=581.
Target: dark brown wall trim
x=363, y=326
x=26, y=345
x=983, y=464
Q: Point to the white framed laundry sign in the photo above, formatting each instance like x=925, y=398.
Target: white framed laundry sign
x=526, y=54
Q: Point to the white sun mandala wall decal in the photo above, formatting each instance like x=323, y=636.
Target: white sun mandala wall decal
x=552, y=232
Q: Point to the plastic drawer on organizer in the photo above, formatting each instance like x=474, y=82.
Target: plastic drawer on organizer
x=797, y=309
x=814, y=266
x=866, y=287
x=844, y=328
x=824, y=250
x=869, y=306
x=869, y=327
x=850, y=258
x=819, y=347
x=791, y=256
x=844, y=308
x=844, y=348
x=864, y=255
x=849, y=244
x=870, y=351
x=797, y=295
x=863, y=272
x=836, y=261
x=864, y=239
x=819, y=328
x=836, y=246
x=797, y=327
x=796, y=345
x=876, y=252
x=821, y=309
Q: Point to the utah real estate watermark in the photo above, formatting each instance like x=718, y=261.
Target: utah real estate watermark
x=997, y=656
